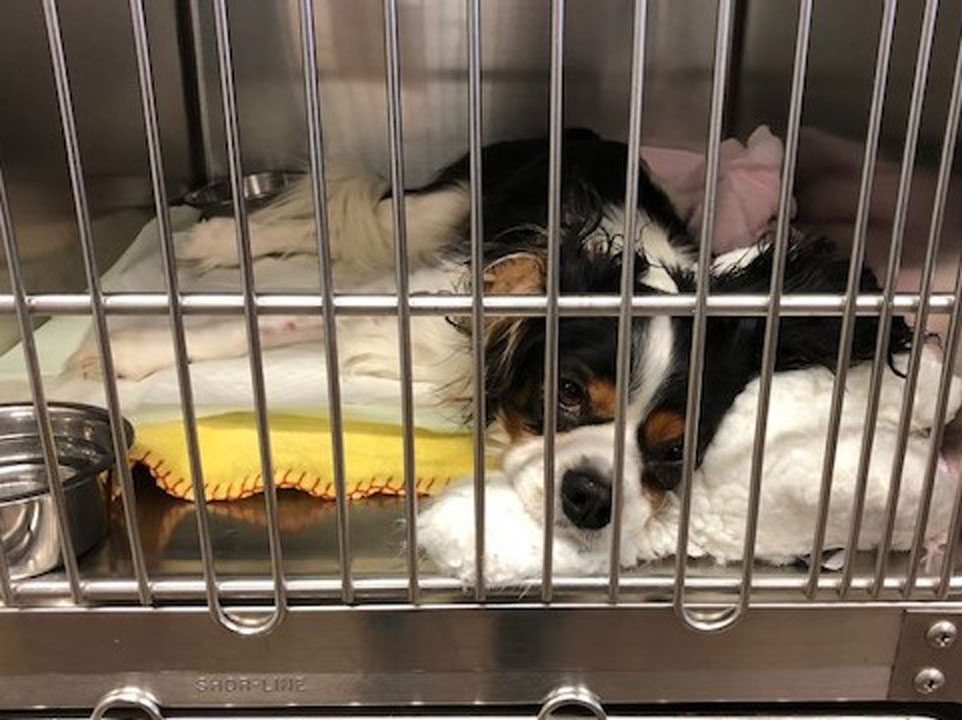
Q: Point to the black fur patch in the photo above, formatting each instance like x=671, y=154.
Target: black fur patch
x=734, y=345
x=515, y=208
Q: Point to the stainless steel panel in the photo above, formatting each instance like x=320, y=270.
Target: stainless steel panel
x=449, y=655
x=929, y=647
x=434, y=75
x=841, y=64
x=103, y=76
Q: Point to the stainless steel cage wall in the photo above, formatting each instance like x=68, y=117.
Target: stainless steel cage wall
x=863, y=635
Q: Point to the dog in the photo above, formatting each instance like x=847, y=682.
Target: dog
x=592, y=247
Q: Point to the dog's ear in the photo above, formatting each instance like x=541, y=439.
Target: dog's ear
x=521, y=273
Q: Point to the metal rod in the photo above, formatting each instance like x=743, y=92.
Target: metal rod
x=826, y=305
x=623, y=370
x=101, y=334
x=946, y=378
x=477, y=287
x=6, y=589
x=918, y=342
x=35, y=377
x=316, y=151
x=174, y=303
x=955, y=523
x=696, y=365
x=770, y=346
x=310, y=590
x=6, y=228
x=232, y=132
x=886, y=34
x=891, y=276
x=396, y=141
x=552, y=288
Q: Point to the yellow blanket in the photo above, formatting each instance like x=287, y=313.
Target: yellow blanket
x=301, y=453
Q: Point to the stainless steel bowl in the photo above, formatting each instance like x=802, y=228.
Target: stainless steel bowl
x=259, y=188
x=29, y=534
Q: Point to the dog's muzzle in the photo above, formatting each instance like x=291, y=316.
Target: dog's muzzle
x=586, y=498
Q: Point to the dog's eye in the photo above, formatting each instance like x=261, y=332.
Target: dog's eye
x=571, y=396
x=675, y=453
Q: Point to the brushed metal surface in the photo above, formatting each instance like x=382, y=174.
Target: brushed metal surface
x=434, y=77
x=920, y=659
x=103, y=75
x=448, y=655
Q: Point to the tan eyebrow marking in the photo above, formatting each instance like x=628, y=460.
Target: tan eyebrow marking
x=601, y=395
x=663, y=427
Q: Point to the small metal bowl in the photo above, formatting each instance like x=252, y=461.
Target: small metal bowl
x=259, y=189
x=29, y=534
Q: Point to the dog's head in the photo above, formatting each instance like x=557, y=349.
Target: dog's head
x=658, y=387
x=591, y=264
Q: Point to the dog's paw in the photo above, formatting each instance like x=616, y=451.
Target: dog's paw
x=513, y=538
x=135, y=355
x=208, y=245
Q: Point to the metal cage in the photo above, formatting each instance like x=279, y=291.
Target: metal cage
x=111, y=632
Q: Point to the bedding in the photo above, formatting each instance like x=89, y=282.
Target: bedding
x=794, y=447
x=295, y=378
x=296, y=384
x=301, y=456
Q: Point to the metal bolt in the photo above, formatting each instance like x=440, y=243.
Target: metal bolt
x=942, y=634
x=929, y=680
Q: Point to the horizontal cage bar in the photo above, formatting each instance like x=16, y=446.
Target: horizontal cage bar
x=461, y=305
x=395, y=589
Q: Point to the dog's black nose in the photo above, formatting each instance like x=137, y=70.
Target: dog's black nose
x=586, y=499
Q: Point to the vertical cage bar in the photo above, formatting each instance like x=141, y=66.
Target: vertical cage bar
x=101, y=333
x=955, y=524
x=918, y=341
x=885, y=316
x=946, y=377
x=232, y=131
x=723, y=34
x=623, y=370
x=477, y=286
x=19, y=292
x=396, y=138
x=176, y=312
x=770, y=345
x=856, y=260
x=6, y=591
x=556, y=127
x=35, y=377
x=318, y=185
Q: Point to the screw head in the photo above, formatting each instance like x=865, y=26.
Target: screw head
x=942, y=634
x=929, y=680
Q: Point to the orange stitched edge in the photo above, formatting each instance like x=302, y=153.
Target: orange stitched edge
x=181, y=487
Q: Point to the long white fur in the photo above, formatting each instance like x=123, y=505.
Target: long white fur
x=360, y=229
x=794, y=449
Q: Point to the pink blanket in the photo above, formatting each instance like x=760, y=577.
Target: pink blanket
x=826, y=189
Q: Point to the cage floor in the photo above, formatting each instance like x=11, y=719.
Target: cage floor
x=168, y=532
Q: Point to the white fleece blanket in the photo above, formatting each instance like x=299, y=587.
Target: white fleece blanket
x=794, y=449
x=295, y=377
